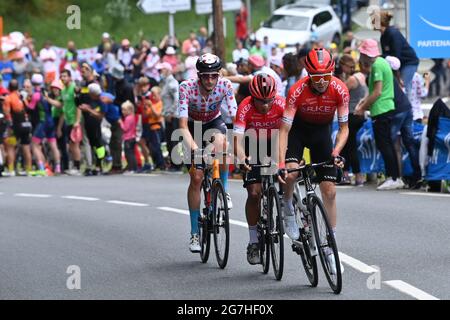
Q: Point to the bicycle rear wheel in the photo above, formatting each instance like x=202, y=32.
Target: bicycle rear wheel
x=276, y=232
x=264, y=240
x=326, y=244
x=221, y=224
x=308, y=260
x=203, y=227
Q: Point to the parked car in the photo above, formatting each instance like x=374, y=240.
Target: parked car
x=299, y=23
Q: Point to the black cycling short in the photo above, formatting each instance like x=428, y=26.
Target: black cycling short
x=216, y=126
x=254, y=176
x=317, y=138
x=22, y=132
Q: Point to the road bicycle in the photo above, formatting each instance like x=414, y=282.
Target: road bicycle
x=270, y=226
x=316, y=235
x=214, y=215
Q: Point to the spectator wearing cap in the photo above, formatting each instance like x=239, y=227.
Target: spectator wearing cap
x=189, y=43
x=381, y=104
x=46, y=127
x=123, y=90
x=112, y=115
x=243, y=69
x=151, y=61
x=402, y=124
x=125, y=57
x=171, y=58
x=93, y=113
x=257, y=65
x=166, y=42
x=83, y=97
x=189, y=64
x=48, y=58
x=393, y=43
x=107, y=40
x=240, y=52
x=99, y=65
x=169, y=96
x=276, y=64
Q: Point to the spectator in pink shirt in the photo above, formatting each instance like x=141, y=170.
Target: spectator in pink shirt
x=128, y=125
x=171, y=58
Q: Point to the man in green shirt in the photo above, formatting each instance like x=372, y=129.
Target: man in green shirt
x=382, y=106
x=72, y=116
x=257, y=50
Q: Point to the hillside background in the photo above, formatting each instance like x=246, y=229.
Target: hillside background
x=46, y=19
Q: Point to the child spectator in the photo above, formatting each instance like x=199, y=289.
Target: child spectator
x=155, y=121
x=128, y=125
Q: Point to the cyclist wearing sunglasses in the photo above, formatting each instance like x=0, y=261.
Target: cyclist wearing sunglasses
x=257, y=115
x=311, y=105
x=200, y=101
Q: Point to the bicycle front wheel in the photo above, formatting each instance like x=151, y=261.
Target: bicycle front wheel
x=308, y=260
x=203, y=228
x=221, y=224
x=326, y=244
x=264, y=239
x=276, y=232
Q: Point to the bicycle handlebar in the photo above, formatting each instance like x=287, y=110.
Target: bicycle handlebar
x=315, y=165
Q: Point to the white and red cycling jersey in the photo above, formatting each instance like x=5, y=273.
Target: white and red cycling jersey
x=314, y=108
x=247, y=117
x=195, y=107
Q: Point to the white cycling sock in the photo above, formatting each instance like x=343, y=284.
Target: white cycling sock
x=289, y=204
x=253, y=231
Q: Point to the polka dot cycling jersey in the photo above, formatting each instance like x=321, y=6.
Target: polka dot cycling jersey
x=314, y=108
x=193, y=105
x=247, y=117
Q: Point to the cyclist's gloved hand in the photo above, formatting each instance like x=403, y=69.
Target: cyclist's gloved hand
x=245, y=166
x=197, y=156
x=282, y=173
x=339, y=161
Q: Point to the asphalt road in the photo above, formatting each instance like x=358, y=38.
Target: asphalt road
x=129, y=238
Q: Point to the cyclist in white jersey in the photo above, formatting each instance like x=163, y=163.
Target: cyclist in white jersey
x=200, y=102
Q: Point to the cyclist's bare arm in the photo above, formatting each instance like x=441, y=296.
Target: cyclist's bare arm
x=341, y=138
x=187, y=137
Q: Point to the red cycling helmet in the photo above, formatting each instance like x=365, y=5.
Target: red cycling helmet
x=263, y=87
x=319, y=61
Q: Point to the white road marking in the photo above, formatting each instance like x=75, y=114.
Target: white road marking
x=80, y=198
x=410, y=290
x=1, y=193
x=352, y=262
x=425, y=194
x=356, y=264
x=186, y=212
x=125, y=203
x=32, y=195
